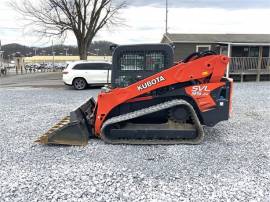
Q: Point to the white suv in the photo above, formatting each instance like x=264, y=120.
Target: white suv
x=82, y=73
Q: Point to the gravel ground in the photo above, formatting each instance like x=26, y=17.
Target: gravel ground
x=232, y=164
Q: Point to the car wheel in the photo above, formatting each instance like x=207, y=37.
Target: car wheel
x=79, y=83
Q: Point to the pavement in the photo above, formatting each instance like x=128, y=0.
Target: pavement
x=36, y=80
x=232, y=163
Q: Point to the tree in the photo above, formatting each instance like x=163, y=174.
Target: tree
x=85, y=18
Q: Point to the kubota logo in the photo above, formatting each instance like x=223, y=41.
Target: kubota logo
x=150, y=83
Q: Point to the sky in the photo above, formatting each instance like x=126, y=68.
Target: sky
x=145, y=21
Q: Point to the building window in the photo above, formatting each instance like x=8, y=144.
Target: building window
x=254, y=52
x=224, y=50
x=200, y=48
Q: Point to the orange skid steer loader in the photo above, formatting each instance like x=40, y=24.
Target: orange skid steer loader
x=151, y=100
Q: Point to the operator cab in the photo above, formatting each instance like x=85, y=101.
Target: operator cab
x=132, y=63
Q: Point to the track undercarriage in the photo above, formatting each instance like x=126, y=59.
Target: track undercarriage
x=124, y=130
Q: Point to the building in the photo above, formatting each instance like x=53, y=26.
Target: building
x=249, y=53
x=63, y=59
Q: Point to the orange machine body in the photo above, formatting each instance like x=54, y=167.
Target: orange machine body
x=212, y=67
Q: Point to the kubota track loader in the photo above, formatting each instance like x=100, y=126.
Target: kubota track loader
x=151, y=100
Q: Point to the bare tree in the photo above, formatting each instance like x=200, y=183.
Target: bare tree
x=85, y=18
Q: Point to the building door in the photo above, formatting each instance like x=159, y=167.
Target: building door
x=265, y=59
x=265, y=51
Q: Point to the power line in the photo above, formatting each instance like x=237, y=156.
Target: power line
x=11, y=28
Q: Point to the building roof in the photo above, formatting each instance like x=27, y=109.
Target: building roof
x=217, y=38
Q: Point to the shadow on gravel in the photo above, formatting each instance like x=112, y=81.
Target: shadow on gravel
x=212, y=135
x=88, y=88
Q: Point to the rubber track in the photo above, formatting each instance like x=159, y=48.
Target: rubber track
x=149, y=110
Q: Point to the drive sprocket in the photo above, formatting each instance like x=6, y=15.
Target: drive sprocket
x=179, y=114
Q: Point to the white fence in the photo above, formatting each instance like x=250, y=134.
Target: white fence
x=249, y=64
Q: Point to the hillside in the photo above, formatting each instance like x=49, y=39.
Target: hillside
x=98, y=47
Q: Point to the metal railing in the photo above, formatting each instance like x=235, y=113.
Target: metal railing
x=12, y=71
x=265, y=64
x=249, y=64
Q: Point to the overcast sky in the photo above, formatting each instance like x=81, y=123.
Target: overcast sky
x=229, y=4
x=145, y=21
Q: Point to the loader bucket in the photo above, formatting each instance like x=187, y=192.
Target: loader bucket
x=75, y=129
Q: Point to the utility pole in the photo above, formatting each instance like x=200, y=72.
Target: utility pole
x=9, y=60
x=35, y=49
x=53, y=55
x=97, y=51
x=66, y=49
x=1, y=57
x=166, y=25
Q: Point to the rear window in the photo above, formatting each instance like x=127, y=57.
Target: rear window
x=142, y=60
x=92, y=66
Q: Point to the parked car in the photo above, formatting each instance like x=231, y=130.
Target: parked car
x=60, y=66
x=83, y=73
